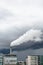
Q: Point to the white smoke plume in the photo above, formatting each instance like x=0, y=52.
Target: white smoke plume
x=33, y=35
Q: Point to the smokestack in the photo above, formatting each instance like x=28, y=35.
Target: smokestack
x=10, y=50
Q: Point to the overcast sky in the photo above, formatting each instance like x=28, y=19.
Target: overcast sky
x=18, y=17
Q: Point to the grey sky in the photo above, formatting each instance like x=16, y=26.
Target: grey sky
x=17, y=17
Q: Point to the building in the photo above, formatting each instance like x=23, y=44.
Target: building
x=10, y=59
x=40, y=60
x=1, y=59
x=32, y=60
x=21, y=63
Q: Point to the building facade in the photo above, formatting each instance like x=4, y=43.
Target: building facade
x=1, y=59
x=21, y=63
x=40, y=60
x=10, y=59
x=32, y=60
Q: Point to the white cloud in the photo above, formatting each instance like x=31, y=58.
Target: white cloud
x=23, y=7
x=33, y=35
x=25, y=13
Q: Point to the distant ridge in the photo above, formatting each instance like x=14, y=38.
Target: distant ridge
x=5, y=51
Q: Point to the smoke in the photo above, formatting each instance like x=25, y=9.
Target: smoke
x=31, y=35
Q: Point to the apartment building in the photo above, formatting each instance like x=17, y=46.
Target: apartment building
x=32, y=60
x=21, y=63
x=40, y=60
x=10, y=59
